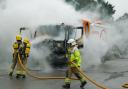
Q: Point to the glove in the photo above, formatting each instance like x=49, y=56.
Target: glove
x=73, y=62
x=69, y=62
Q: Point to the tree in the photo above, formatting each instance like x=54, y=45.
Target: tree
x=104, y=8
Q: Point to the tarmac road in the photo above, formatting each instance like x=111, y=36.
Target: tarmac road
x=111, y=74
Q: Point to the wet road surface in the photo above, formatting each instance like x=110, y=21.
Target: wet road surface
x=111, y=74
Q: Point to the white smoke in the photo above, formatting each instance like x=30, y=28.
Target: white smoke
x=96, y=47
x=32, y=13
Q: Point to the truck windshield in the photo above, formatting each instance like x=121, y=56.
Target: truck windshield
x=58, y=32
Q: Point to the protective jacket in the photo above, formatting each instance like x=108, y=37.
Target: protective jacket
x=17, y=46
x=74, y=56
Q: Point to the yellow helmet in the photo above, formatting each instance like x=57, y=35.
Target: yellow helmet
x=26, y=40
x=18, y=37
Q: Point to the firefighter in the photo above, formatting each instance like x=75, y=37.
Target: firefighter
x=16, y=48
x=73, y=55
x=26, y=47
x=25, y=54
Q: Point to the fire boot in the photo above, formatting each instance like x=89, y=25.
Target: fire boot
x=83, y=84
x=10, y=74
x=23, y=76
x=66, y=86
x=18, y=76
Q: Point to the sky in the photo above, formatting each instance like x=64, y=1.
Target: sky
x=121, y=7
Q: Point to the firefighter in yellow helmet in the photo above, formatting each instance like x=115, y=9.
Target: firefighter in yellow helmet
x=25, y=54
x=27, y=46
x=74, y=56
x=16, y=49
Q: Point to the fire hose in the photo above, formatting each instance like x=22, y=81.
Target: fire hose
x=37, y=77
x=125, y=85
x=45, y=78
x=89, y=79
